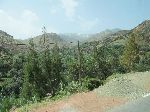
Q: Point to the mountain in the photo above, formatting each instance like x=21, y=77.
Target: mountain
x=8, y=43
x=114, y=36
x=6, y=38
x=66, y=39
x=102, y=35
x=47, y=39
x=143, y=30
x=72, y=37
x=119, y=37
x=144, y=27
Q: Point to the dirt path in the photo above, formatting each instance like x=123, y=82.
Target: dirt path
x=141, y=105
x=83, y=102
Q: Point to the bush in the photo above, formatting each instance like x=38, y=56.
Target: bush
x=91, y=83
x=11, y=102
x=7, y=103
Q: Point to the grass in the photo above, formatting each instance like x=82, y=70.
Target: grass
x=29, y=107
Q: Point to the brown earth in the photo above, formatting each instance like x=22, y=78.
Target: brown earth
x=82, y=102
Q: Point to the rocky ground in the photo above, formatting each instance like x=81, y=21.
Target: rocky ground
x=130, y=86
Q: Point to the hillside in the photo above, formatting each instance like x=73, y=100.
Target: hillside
x=114, y=36
x=9, y=44
x=119, y=37
x=119, y=89
x=142, y=31
x=87, y=41
x=48, y=38
x=6, y=38
x=74, y=55
x=73, y=37
x=102, y=35
x=34, y=73
x=62, y=39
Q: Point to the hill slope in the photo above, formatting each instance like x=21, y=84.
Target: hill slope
x=102, y=35
x=142, y=31
x=122, y=86
x=119, y=37
x=67, y=39
x=9, y=44
x=6, y=38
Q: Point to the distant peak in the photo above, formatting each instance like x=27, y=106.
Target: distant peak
x=146, y=22
x=144, y=25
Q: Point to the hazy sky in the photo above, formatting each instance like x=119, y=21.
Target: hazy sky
x=25, y=18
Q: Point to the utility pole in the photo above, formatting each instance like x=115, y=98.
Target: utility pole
x=44, y=34
x=79, y=60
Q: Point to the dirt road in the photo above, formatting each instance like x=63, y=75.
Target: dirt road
x=83, y=102
x=141, y=105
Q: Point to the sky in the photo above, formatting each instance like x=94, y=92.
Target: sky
x=25, y=18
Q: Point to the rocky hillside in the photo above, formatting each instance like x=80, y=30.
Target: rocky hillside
x=73, y=37
x=102, y=35
x=6, y=38
x=143, y=30
x=48, y=38
x=119, y=37
x=66, y=39
x=115, y=36
x=131, y=85
x=8, y=43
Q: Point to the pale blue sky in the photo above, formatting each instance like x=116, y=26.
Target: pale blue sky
x=25, y=18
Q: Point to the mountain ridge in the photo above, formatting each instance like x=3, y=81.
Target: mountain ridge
x=116, y=36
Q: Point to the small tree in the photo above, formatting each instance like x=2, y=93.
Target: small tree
x=31, y=79
x=130, y=54
x=101, y=61
x=13, y=80
x=57, y=68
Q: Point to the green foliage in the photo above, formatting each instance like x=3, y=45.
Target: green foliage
x=91, y=83
x=6, y=104
x=130, y=54
x=13, y=78
x=11, y=102
x=42, y=73
x=32, y=76
x=144, y=62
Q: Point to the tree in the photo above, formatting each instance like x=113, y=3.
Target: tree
x=101, y=62
x=13, y=81
x=31, y=79
x=57, y=69
x=130, y=54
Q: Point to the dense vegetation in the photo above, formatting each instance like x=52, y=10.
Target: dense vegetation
x=53, y=71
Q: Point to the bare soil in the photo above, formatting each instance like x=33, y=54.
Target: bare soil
x=83, y=102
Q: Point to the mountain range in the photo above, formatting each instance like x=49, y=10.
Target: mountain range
x=115, y=36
